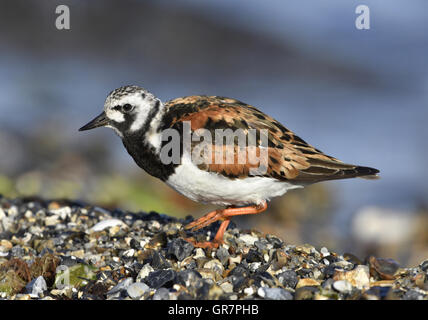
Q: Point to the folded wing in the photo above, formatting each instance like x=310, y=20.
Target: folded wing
x=288, y=156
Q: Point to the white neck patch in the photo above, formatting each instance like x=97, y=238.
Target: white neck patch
x=152, y=135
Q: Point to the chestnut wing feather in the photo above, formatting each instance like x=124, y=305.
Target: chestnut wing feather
x=289, y=156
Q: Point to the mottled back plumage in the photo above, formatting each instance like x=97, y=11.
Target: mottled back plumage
x=290, y=157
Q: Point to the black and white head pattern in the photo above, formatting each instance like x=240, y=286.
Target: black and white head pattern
x=130, y=109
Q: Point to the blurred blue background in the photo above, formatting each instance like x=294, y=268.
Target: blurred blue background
x=358, y=95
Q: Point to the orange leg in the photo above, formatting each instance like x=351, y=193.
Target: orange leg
x=224, y=215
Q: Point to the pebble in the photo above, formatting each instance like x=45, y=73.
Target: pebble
x=324, y=252
x=159, y=278
x=288, y=278
x=214, y=265
x=253, y=267
x=223, y=255
x=208, y=274
x=305, y=293
x=104, y=224
x=129, y=253
x=36, y=287
x=343, y=286
x=307, y=282
x=159, y=261
x=253, y=256
x=306, y=248
x=235, y=260
x=227, y=287
x=188, y=277
x=274, y=294
x=249, y=291
x=383, y=268
x=248, y=239
x=51, y=221
x=275, y=241
x=63, y=212
x=5, y=245
x=200, y=253
x=122, y=285
x=64, y=292
x=358, y=277
x=126, y=255
x=161, y=294
x=424, y=266
x=180, y=248
x=137, y=290
x=144, y=272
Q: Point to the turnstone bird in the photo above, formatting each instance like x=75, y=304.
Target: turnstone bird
x=141, y=120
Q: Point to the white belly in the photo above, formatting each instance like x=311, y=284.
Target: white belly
x=207, y=187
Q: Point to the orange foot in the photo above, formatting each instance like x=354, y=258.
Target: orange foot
x=223, y=215
x=206, y=244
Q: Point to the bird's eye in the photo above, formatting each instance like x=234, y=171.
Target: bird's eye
x=127, y=108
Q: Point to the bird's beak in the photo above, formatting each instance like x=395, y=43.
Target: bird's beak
x=99, y=121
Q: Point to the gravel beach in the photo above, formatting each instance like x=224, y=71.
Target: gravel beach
x=70, y=250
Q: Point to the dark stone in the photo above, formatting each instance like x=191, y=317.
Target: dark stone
x=180, y=249
x=160, y=278
x=304, y=273
x=424, y=266
x=239, y=271
x=95, y=290
x=191, y=265
x=114, y=265
x=331, y=259
x=203, y=290
x=383, y=268
x=223, y=255
x=196, y=286
x=188, y=277
x=276, y=242
x=159, y=262
x=288, y=278
x=239, y=277
x=134, y=269
x=329, y=271
x=70, y=261
x=159, y=239
x=184, y=296
x=239, y=283
x=261, y=245
x=7, y=235
x=266, y=277
x=263, y=268
x=134, y=244
x=380, y=292
x=253, y=256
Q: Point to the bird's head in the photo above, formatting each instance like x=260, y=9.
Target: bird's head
x=127, y=110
